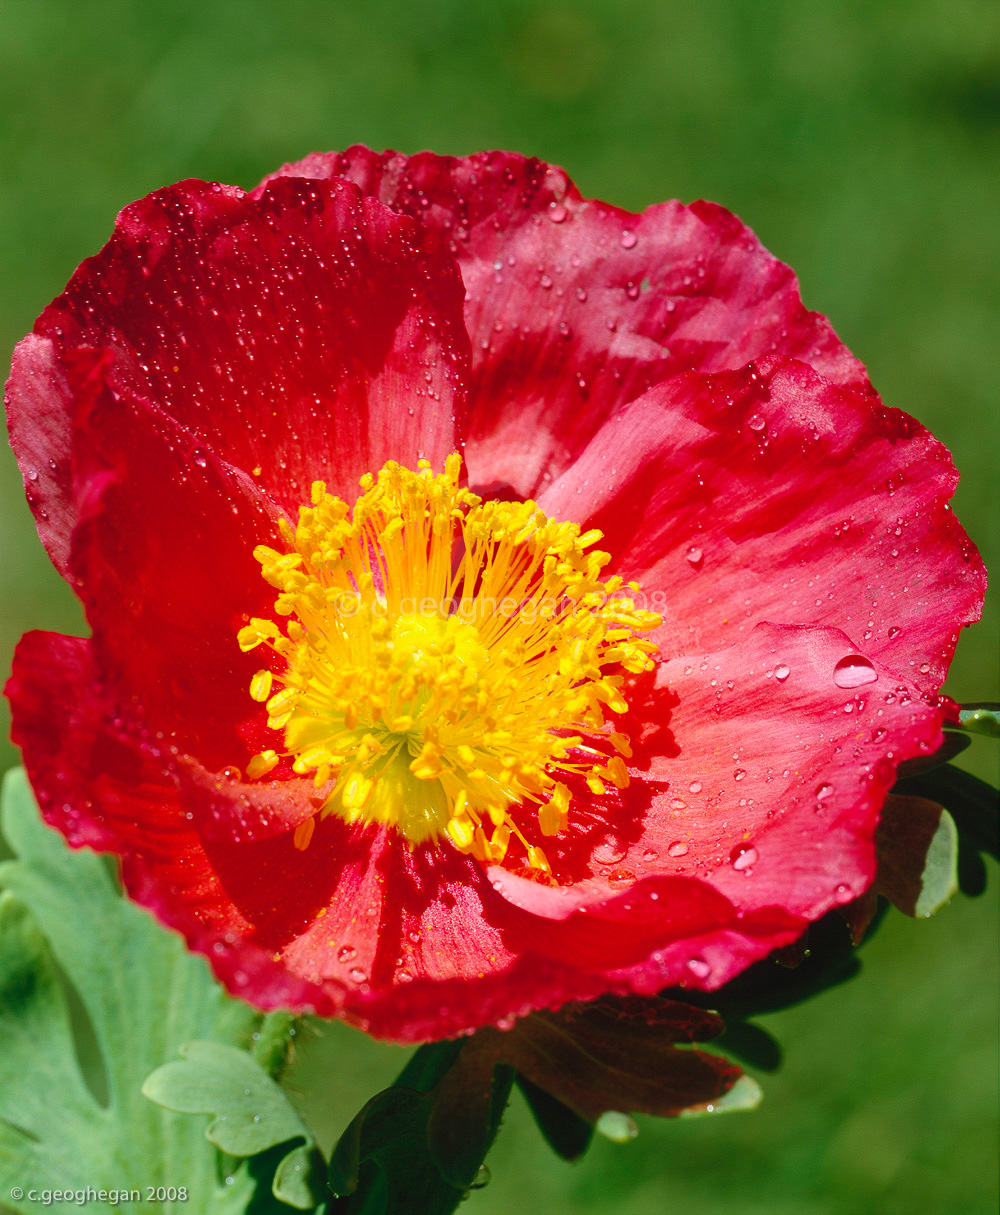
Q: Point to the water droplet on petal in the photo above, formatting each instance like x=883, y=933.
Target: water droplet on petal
x=346, y=952
x=781, y=673
x=739, y=774
x=677, y=848
x=756, y=422
x=557, y=212
x=618, y=879
x=694, y=556
x=854, y=671
x=629, y=240
x=824, y=790
x=742, y=858
x=695, y=786
x=699, y=968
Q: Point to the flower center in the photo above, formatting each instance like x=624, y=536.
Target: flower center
x=444, y=661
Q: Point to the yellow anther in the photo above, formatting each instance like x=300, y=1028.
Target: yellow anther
x=304, y=833
x=538, y=860
x=461, y=832
x=256, y=632
x=260, y=685
x=616, y=772
x=261, y=764
x=357, y=790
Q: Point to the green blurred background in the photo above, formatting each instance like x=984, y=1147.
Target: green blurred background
x=859, y=140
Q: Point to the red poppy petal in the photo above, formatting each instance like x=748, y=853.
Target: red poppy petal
x=770, y=494
x=163, y=560
x=759, y=775
x=576, y=307
x=307, y=332
x=105, y=785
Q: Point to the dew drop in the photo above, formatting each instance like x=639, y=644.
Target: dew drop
x=854, y=671
x=482, y=1178
x=699, y=968
x=629, y=240
x=610, y=852
x=557, y=212
x=649, y=854
x=694, y=556
x=739, y=774
x=346, y=953
x=756, y=422
x=824, y=790
x=199, y=458
x=677, y=848
x=357, y=974
x=678, y=803
x=618, y=879
x=781, y=673
x=742, y=858
x=695, y=786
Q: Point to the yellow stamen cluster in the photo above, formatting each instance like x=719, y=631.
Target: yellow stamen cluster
x=443, y=660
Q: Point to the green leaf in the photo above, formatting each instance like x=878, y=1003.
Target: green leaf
x=981, y=719
x=744, y=1095
x=975, y=807
x=410, y=1150
x=143, y=995
x=251, y=1112
x=382, y=1164
x=917, y=848
x=566, y=1133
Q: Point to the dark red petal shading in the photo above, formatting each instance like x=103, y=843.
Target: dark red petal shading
x=770, y=494
x=163, y=560
x=308, y=332
x=104, y=783
x=576, y=307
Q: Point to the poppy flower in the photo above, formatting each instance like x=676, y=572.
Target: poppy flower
x=497, y=599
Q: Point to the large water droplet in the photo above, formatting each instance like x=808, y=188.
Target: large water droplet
x=616, y=1126
x=854, y=671
x=699, y=968
x=694, y=556
x=629, y=240
x=756, y=422
x=677, y=848
x=781, y=672
x=482, y=1178
x=346, y=952
x=742, y=858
